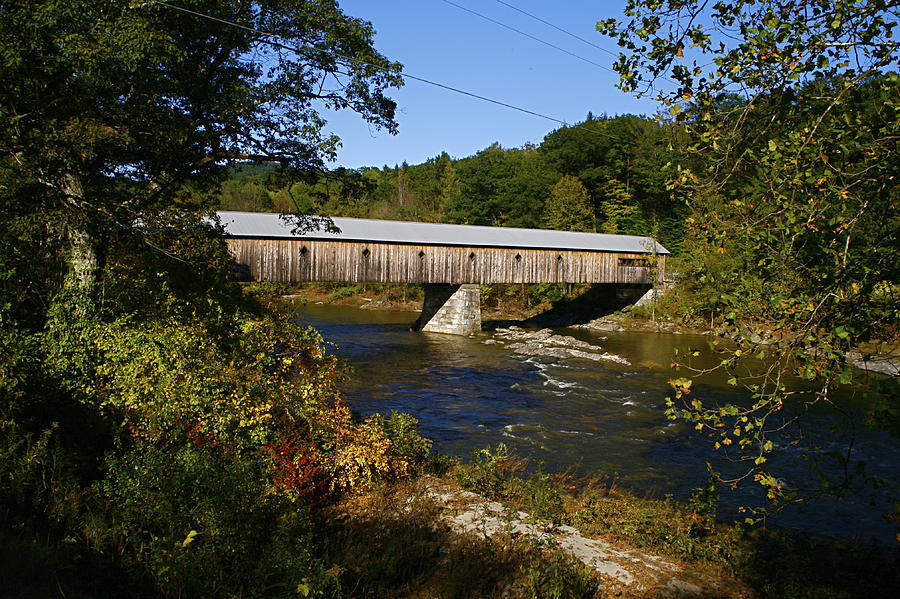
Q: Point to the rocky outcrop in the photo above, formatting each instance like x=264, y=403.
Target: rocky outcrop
x=630, y=572
x=879, y=364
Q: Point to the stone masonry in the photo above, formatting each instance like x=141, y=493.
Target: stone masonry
x=451, y=309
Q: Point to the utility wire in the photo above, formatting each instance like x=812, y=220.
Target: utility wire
x=549, y=24
x=529, y=36
x=569, y=33
x=277, y=44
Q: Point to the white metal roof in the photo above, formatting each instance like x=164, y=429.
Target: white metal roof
x=271, y=226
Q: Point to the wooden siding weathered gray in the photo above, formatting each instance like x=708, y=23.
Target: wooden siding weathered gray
x=301, y=260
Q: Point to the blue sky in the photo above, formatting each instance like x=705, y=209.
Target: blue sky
x=437, y=41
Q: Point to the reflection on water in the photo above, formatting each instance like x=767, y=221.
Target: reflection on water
x=592, y=417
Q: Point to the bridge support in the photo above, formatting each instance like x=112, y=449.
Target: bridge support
x=452, y=309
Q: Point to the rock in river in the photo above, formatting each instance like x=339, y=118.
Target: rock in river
x=545, y=343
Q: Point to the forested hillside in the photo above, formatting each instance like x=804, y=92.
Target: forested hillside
x=606, y=174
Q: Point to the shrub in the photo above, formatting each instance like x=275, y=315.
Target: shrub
x=403, y=431
x=488, y=472
x=198, y=521
x=554, y=575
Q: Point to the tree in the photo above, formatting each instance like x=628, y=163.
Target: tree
x=446, y=182
x=569, y=207
x=505, y=187
x=793, y=184
x=617, y=210
x=107, y=108
x=629, y=149
x=184, y=417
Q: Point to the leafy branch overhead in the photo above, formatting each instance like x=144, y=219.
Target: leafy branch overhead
x=109, y=108
x=746, y=46
x=793, y=110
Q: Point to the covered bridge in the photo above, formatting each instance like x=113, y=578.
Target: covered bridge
x=439, y=255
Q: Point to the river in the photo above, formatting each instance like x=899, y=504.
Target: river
x=596, y=418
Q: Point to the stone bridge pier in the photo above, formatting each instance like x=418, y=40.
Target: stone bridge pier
x=452, y=309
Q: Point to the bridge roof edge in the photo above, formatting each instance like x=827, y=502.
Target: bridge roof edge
x=272, y=226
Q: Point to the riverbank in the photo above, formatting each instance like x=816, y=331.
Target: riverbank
x=499, y=303
x=488, y=529
x=584, y=307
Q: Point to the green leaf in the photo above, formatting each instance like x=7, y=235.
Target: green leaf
x=189, y=538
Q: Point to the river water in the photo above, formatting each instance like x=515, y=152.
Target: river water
x=598, y=418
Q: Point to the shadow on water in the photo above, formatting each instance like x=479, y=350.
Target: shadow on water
x=591, y=417
x=599, y=300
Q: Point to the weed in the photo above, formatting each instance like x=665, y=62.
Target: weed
x=488, y=472
x=539, y=494
x=554, y=575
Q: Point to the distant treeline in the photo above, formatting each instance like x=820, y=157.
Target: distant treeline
x=606, y=174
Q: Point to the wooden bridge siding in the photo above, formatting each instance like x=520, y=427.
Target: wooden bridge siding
x=283, y=260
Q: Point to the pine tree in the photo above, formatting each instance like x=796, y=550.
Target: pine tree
x=446, y=182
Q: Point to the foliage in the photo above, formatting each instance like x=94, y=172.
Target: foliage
x=633, y=152
x=156, y=425
x=501, y=187
x=199, y=522
x=557, y=576
x=488, y=471
x=403, y=431
x=617, y=209
x=110, y=108
x=791, y=176
x=569, y=207
x=540, y=495
x=218, y=445
x=540, y=293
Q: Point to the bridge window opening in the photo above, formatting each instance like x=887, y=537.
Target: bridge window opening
x=632, y=262
x=472, y=256
x=421, y=253
x=303, y=251
x=559, y=258
x=518, y=257
x=366, y=253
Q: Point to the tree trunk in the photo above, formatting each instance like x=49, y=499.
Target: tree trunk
x=86, y=257
x=86, y=261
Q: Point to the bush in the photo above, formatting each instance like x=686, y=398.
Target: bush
x=554, y=575
x=198, y=521
x=214, y=432
x=489, y=471
x=403, y=431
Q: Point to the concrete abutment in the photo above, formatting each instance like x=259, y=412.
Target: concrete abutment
x=451, y=309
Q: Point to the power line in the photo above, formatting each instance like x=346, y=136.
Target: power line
x=549, y=24
x=569, y=33
x=529, y=36
x=278, y=44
